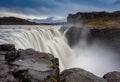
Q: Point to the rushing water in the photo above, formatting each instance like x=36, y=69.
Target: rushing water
x=41, y=38
x=95, y=58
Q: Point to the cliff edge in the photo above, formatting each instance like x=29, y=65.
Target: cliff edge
x=95, y=19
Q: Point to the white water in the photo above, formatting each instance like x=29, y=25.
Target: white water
x=48, y=40
x=95, y=58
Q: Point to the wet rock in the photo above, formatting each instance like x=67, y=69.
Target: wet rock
x=112, y=76
x=2, y=58
x=7, y=52
x=79, y=75
x=33, y=53
x=11, y=56
x=34, y=66
x=7, y=47
x=73, y=35
x=5, y=75
x=27, y=65
x=76, y=34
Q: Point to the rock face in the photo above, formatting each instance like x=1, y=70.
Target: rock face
x=75, y=18
x=73, y=35
x=95, y=19
x=27, y=65
x=103, y=26
x=107, y=35
x=112, y=76
x=79, y=75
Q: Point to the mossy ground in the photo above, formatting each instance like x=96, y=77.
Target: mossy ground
x=103, y=22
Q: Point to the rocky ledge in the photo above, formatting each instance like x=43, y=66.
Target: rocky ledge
x=27, y=65
x=33, y=66
x=95, y=19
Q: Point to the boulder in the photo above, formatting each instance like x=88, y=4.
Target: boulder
x=27, y=65
x=112, y=76
x=33, y=66
x=79, y=75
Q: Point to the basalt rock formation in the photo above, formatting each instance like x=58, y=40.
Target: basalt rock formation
x=95, y=19
x=27, y=65
x=73, y=35
x=106, y=35
x=103, y=26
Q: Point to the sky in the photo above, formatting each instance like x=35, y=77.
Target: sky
x=57, y=9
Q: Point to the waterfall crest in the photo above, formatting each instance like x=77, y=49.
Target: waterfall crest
x=48, y=40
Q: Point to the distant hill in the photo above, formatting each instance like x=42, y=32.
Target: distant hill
x=95, y=19
x=15, y=21
x=19, y=21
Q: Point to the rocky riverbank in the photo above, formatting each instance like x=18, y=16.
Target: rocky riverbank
x=33, y=66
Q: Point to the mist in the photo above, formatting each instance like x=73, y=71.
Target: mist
x=95, y=57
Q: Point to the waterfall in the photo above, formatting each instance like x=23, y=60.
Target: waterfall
x=48, y=40
x=93, y=57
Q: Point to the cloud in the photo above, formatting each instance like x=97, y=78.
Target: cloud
x=117, y=2
x=50, y=8
x=49, y=20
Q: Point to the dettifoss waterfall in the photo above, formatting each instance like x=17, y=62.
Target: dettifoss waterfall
x=48, y=40
x=96, y=58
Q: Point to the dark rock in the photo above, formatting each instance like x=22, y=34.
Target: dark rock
x=79, y=75
x=80, y=16
x=33, y=66
x=2, y=58
x=11, y=56
x=73, y=35
x=5, y=76
x=27, y=65
x=109, y=36
x=112, y=76
x=7, y=47
x=7, y=52
x=33, y=53
x=106, y=33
